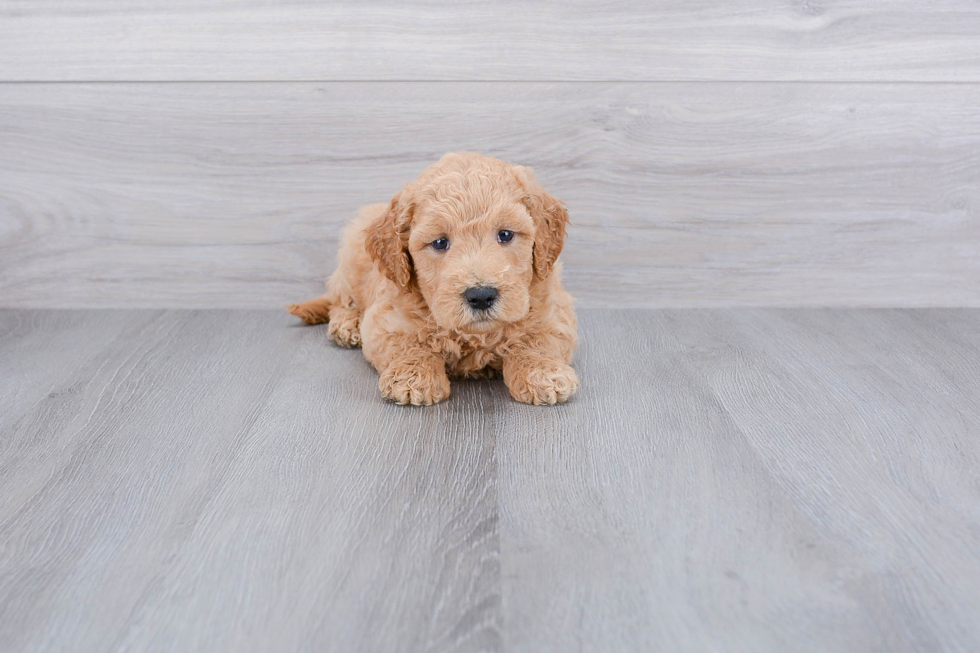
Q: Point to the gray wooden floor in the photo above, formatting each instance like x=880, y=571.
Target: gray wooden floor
x=765, y=480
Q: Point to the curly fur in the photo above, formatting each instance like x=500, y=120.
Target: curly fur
x=402, y=301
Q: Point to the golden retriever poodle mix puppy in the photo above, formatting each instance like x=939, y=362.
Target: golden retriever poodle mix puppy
x=456, y=277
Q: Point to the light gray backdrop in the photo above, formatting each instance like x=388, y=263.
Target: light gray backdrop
x=197, y=154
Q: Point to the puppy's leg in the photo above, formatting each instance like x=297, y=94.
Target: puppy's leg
x=417, y=379
x=538, y=373
x=409, y=372
x=345, y=326
x=314, y=311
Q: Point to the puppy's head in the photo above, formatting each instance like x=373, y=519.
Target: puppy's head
x=471, y=234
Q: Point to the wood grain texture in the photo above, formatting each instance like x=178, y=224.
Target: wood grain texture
x=828, y=40
x=232, y=195
x=763, y=480
x=223, y=481
x=751, y=480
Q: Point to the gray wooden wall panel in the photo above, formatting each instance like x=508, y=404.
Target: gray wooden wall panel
x=681, y=194
x=830, y=40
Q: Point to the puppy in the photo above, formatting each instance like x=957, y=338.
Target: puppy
x=456, y=276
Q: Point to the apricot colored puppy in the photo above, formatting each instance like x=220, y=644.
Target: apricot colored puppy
x=457, y=276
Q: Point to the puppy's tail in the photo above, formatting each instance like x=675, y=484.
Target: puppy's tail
x=314, y=311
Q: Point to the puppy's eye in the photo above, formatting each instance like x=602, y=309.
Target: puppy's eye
x=440, y=244
x=505, y=236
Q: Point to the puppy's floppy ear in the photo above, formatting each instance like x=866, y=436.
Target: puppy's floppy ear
x=550, y=221
x=387, y=240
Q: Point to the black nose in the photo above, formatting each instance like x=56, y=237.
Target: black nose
x=481, y=297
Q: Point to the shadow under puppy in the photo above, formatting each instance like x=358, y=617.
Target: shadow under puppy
x=457, y=276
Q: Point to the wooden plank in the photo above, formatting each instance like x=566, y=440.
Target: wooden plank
x=232, y=195
x=219, y=480
x=763, y=40
x=761, y=480
x=55, y=353
x=757, y=480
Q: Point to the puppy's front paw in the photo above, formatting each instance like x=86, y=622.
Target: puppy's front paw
x=545, y=382
x=345, y=328
x=418, y=383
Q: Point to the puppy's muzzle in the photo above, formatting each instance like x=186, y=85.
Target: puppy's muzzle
x=480, y=298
